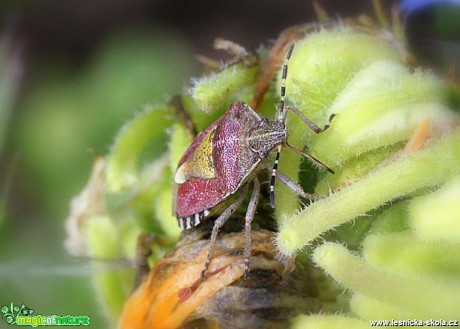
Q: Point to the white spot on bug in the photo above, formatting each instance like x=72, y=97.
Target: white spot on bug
x=180, y=177
x=206, y=213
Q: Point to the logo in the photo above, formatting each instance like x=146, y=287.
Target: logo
x=22, y=316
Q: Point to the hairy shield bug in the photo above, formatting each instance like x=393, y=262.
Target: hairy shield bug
x=223, y=161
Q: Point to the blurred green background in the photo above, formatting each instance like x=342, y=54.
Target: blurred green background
x=71, y=73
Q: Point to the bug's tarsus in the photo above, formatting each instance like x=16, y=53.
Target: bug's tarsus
x=248, y=219
x=332, y=116
x=217, y=225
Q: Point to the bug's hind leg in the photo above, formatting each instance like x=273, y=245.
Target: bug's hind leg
x=248, y=219
x=218, y=224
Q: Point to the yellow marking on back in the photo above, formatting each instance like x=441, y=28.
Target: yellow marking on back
x=200, y=164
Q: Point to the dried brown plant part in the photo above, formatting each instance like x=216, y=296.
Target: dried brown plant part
x=275, y=57
x=321, y=13
x=183, y=116
x=419, y=137
x=168, y=297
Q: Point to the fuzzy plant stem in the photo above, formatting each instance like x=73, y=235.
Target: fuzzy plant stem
x=147, y=126
x=429, y=167
x=417, y=296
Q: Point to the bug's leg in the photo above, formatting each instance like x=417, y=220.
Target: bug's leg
x=307, y=121
x=310, y=157
x=248, y=219
x=293, y=186
x=296, y=188
x=217, y=225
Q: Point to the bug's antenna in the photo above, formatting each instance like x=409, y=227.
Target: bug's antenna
x=281, y=119
x=282, y=113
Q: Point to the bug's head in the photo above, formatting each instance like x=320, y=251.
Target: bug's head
x=266, y=136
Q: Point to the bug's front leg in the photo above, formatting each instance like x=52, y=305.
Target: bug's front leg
x=307, y=121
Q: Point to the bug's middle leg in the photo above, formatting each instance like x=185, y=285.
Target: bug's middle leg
x=294, y=187
x=218, y=224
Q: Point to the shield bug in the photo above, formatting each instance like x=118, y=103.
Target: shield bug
x=218, y=168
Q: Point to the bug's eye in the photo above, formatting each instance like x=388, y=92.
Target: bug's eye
x=264, y=121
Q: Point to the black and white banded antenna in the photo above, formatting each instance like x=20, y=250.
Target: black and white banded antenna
x=281, y=119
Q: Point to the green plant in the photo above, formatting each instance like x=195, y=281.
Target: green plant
x=387, y=215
